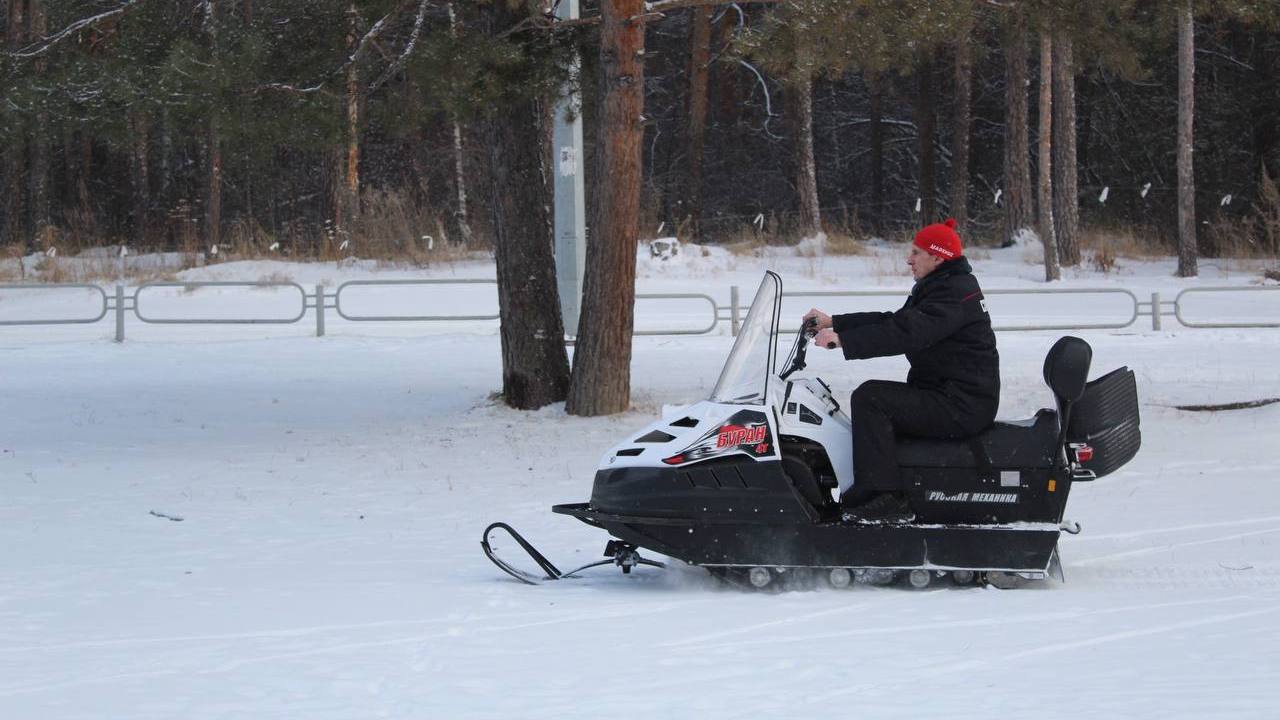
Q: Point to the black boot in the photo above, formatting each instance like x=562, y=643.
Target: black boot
x=883, y=508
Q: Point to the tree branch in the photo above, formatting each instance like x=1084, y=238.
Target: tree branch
x=39, y=48
x=661, y=6
x=653, y=11
x=408, y=49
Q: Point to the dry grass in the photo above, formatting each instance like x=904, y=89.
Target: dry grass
x=1103, y=259
x=101, y=270
x=249, y=238
x=839, y=243
x=1255, y=235
x=391, y=227
x=277, y=277
x=1101, y=247
x=747, y=247
x=52, y=270
x=11, y=269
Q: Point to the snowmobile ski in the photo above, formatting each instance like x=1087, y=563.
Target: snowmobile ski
x=616, y=552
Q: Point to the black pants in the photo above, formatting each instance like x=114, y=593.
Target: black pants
x=882, y=410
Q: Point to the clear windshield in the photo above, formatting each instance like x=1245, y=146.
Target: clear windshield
x=746, y=372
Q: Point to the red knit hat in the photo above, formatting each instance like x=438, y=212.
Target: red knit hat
x=940, y=239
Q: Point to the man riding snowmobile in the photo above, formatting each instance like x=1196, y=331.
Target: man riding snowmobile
x=953, y=388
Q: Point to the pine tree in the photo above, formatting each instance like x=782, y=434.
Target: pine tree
x=535, y=367
x=1187, y=250
x=1045, y=224
x=1066, y=206
x=1017, y=172
x=601, y=379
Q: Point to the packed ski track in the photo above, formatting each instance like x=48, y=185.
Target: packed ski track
x=254, y=523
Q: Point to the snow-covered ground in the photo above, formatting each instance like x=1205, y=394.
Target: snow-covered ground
x=332, y=493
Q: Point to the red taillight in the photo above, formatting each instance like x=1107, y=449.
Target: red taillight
x=1084, y=453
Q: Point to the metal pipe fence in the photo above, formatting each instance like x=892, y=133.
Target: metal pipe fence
x=123, y=302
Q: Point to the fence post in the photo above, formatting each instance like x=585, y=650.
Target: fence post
x=319, y=310
x=733, y=310
x=119, y=313
x=1155, y=311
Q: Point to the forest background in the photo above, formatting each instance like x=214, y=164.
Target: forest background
x=403, y=129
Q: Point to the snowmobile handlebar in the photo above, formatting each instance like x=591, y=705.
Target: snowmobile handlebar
x=808, y=329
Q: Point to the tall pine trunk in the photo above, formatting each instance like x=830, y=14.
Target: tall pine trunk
x=1017, y=172
x=213, y=197
x=535, y=366
x=960, y=142
x=699, y=70
x=926, y=129
x=601, y=380
x=349, y=174
x=1187, y=249
x=213, y=151
x=800, y=98
x=462, y=212
x=40, y=142
x=13, y=214
x=1045, y=199
x=1066, y=184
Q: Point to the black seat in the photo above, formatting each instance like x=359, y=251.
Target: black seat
x=1031, y=443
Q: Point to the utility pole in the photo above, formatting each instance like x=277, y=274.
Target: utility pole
x=570, y=197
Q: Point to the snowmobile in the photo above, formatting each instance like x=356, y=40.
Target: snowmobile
x=747, y=483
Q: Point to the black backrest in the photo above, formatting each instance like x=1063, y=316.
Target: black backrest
x=1066, y=368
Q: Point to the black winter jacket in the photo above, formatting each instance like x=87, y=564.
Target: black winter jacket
x=945, y=332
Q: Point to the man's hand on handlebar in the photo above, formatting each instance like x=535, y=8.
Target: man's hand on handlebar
x=819, y=320
x=827, y=338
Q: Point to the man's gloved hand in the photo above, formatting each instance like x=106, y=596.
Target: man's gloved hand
x=827, y=338
x=823, y=319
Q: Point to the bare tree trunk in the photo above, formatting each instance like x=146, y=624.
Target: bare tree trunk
x=875, y=95
x=963, y=123
x=926, y=128
x=213, y=200
x=350, y=189
x=1187, y=249
x=1066, y=188
x=800, y=98
x=699, y=71
x=459, y=159
x=535, y=366
x=139, y=132
x=1045, y=200
x=14, y=229
x=460, y=182
x=40, y=218
x=601, y=381
x=1017, y=171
